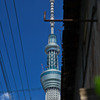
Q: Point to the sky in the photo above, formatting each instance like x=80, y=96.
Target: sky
x=34, y=34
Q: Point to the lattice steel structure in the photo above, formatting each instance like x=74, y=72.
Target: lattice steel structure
x=51, y=78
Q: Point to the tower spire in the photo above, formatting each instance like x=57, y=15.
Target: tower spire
x=52, y=16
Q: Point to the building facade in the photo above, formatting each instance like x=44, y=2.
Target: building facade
x=88, y=58
x=81, y=50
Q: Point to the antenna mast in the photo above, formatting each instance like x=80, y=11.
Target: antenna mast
x=52, y=16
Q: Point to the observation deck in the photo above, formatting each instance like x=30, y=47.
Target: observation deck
x=51, y=78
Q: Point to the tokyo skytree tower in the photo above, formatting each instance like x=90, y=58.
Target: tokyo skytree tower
x=51, y=77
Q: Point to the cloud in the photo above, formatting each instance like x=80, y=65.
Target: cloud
x=5, y=96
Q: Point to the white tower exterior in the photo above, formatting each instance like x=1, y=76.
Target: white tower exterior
x=51, y=78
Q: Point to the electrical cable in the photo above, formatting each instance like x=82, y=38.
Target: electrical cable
x=2, y=90
x=4, y=69
x=9, y=59
x=21, y=47
x=5, y=72
x=20, y=90
x=4, y=76
x=14, y=48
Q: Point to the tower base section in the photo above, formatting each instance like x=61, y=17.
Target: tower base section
x=52, y=94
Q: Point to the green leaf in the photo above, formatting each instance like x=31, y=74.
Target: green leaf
x=97, y=85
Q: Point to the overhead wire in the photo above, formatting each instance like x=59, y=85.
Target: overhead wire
x=20, y=90
x=14, y=49
x=5, y=76
x=1, y=87
x=22, y=48
x=9, y=59
x=4, y=69
x=5, y=72
x=2, y=90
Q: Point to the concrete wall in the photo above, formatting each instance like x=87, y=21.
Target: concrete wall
x=88, y=61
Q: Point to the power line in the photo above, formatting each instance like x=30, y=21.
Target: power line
x=20, y=90
x=9, y=59
x=4, y=69
x=5, y=72
x=1, y=87
x=14, y=49
x=5, y=76
x=22, y=47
